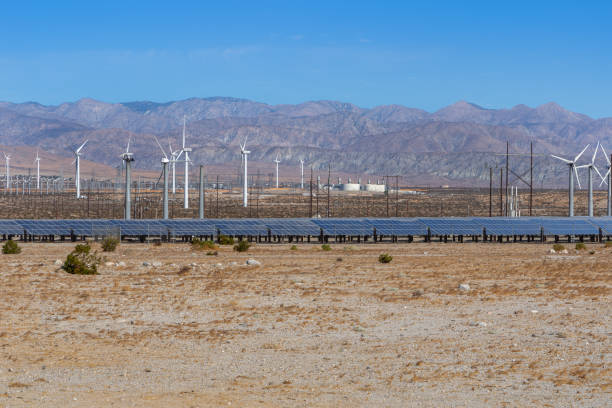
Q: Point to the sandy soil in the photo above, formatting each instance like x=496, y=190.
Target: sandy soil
x=309, y=328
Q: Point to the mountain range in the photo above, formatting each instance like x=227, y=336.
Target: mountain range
x=454, y=145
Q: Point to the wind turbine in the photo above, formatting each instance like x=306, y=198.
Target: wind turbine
x=7, y=157
x=591, y=166
x=276, y=161
x=606, y=179
x=186, y=150
x=77, y=178
x=572, y=171
x=245, y=156
x=128, y=158
x=302, y=172
x=174, y=156
x=164, y=163
x=37, y=161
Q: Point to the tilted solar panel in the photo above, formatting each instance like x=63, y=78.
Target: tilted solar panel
x=292, y=226
x=452, y=226
x=343, y=226
x=397, y=226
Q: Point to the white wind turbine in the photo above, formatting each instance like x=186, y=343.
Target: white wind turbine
x=77, y=177
x=606, y=179
x=128, y=158
x=7, y=157
x=276, y=161
x=302, y=173
x=174, y=156
x=164, y=164
x=186, y=150
x=591, y=166
x=245, y=155
x=572, y=172
x=37, y=161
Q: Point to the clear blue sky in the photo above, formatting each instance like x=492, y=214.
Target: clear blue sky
x=422, y=54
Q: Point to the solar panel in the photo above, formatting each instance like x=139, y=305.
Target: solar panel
x=568, y=226
x=45, y=227
x=397, y=226
x=605, y=223
x=141, y=227
x=10, y=227
x=452, y=226
x=190, y=227
x=510, y=226
x=238, y=227
x=292, y=226
x=344, y=226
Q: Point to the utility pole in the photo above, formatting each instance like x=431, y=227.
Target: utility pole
x=507, y=156
x=501, y=192
x=396, y=195
x=531, y=179
x=490, y=191
x=217, y=186
x=328, y=187
x=387, y=193
x=201, y=203
x=310, y=212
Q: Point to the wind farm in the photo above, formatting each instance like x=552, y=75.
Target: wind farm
x=305, y=204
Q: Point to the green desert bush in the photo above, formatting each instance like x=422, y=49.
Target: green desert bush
x=242, y=246
x=225, y=240
x=580, y=246
x=109, y=244
x=385, y=258
x=326, y=247
x=81, y=261
x=608, y=244
x=293, y=247
x=558, y=247
x=10, y=247
x=201, y=245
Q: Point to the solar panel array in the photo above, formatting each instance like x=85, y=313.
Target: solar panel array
x=313, y=227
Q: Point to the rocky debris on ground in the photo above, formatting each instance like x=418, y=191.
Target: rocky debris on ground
x=156, y=264
x=464, y=287
x=146, y=264
x=253, y=262
x=120, y=264
x=58, y=262
x=109, y=263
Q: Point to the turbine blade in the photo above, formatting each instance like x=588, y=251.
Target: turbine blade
x=595, y=153
x=604, y=179
x=605, y=154
x=598, y=173
x=583, y=150
x=160, y=146
x=127, y=150
x=561, y=158
x=79, y=149
x=577, y=178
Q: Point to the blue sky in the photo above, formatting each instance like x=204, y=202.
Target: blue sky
x=418, y=54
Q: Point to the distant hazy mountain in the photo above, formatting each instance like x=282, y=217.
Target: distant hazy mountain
x=455, y=144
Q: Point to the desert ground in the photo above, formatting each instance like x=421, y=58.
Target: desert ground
x=308, y=328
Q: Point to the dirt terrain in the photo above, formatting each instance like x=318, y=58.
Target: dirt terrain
x=308, y=328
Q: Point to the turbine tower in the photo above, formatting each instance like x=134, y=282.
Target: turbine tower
x=174, y=156
x=606, y=179
x=7, y=157
x=164, y=163
x=186, y=150
x=572, y=172
x=128, y=158
x=591, y=166
x=276, y=161
x=302, y=173
x=37, y=161
x=245, y=156
x=77, y=177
